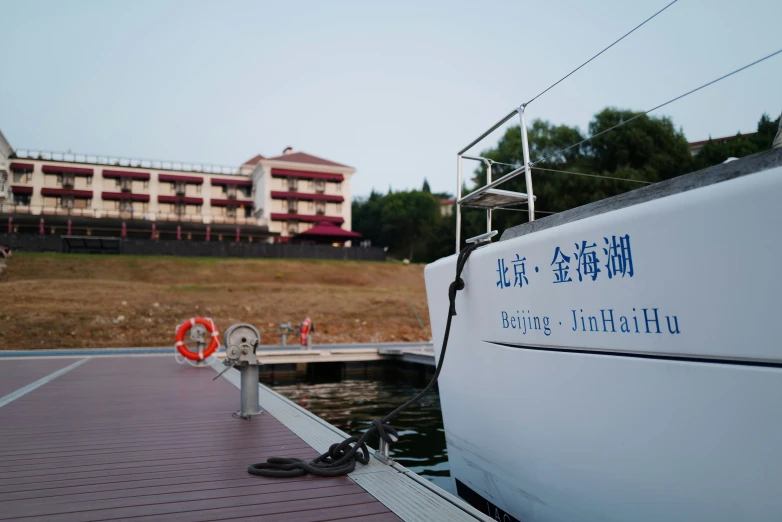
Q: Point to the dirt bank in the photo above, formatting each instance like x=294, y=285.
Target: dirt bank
x=80, y=301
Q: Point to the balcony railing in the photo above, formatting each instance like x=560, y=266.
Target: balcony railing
x=9, y=208
x=116, y=161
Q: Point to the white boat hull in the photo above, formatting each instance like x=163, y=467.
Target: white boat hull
x=654, y=395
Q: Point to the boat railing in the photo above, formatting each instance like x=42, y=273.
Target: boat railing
x=489, y=197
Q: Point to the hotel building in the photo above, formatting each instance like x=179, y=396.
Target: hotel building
x=265, y=199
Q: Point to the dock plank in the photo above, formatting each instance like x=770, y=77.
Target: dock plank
x=16, y=373
x=145, y=438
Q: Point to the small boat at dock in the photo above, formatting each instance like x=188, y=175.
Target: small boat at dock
x=621, y=360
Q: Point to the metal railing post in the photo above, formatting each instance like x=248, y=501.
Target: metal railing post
x=458, y=197
x=249, y=390
x=488, y=210
x=527, y=169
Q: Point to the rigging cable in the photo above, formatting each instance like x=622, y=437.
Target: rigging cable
x=624, y=122
x=601, y=52
x=341, y=457
x=575, y=173
x=593, y=175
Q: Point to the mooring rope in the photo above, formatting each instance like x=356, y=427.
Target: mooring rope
x=341, y=457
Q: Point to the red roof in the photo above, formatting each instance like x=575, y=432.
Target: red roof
x=303, y=157
x=285, y=173
x=187, y=179
x=107, y=173
x=326, y=229
x=57, y=169
x=719, y=140
x=306, y=217
x=216, y=202
x=254, y=160
x=180, y=199
x=66, y=192
x=306, y=197
x=125, y=196
x=22, y=166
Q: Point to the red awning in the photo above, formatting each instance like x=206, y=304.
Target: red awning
x=22, y=166
x=125, y=196
x=125, y=174
x=66, y=192
x=240, y=182
x=18, y=189
x=187, y=179
x=307, y=197
x=231, y=203
x=285, y=173
x=180, y=199
x=310, y=219
x=58, y=169
x=325, y=229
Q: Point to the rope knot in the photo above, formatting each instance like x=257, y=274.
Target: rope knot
x=454, y=287
x=385, y=431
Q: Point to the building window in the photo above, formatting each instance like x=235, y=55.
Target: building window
x=293, y=184
x=338, y=208
x=66, y=202
x=23, y=177
x=293, y=229
x=89, y=181
x=117, y=182
x=126, y=205
x=248, y=212
x=230, y=212
x=146, y=183
x=293, y=206
x=320, y=207
x=82, y=203
x=320, y=186
x=22, y=199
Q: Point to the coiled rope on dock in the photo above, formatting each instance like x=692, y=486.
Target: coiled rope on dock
x=341, y=457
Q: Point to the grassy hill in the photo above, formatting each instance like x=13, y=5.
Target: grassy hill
x=80, y=301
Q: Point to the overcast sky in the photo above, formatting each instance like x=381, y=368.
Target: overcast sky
x=391, y=88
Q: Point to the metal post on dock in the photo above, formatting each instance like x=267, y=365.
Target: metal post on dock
x=241, y=344
x=249, y=391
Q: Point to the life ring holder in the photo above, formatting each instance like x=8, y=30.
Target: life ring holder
x=182, y=354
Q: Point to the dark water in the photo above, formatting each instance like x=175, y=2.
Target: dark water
x=352, y=403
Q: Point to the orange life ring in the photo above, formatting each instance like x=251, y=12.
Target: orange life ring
x=305, y=329
x=187, y=325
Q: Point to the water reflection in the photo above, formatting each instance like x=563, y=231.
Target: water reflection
x=351, y=403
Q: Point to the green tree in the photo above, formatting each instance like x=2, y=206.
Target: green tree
x=647, y=148
x=715, y=152
x=407, y=217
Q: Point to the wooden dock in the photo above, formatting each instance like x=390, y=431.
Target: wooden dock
x=114, y=438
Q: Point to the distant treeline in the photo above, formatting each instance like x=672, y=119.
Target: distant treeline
x=411, y=225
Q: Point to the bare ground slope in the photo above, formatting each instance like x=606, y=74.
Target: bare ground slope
x=80, y=301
